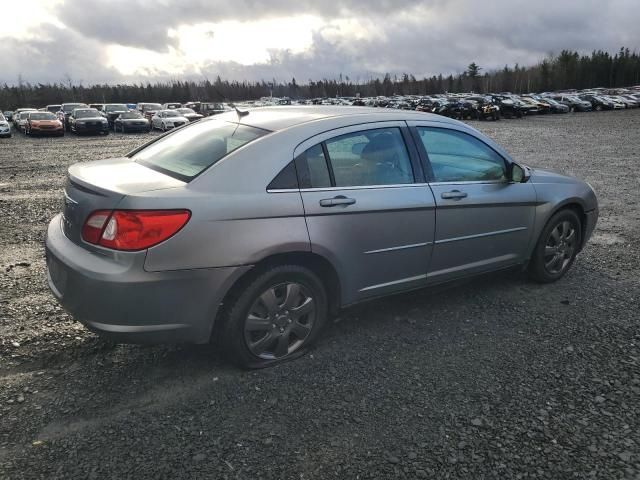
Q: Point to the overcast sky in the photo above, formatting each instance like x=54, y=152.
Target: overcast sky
x=128, y=40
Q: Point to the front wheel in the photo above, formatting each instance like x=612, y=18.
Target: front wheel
x=276, y=317
x=557, y=247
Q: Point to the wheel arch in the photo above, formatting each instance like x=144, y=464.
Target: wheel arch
x=578, y=208
x=313, y=261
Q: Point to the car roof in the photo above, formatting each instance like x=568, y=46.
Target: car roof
x=280, y=118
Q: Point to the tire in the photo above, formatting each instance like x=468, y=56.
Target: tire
x=260, y=343
x=557, y=247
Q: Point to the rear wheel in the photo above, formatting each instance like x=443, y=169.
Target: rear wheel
x=275, y=318
x=557, y=247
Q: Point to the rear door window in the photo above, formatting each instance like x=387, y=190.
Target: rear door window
x=370, y=157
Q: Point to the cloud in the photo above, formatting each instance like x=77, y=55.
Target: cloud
x=130, y=40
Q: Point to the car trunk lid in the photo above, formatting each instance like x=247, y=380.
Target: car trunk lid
x=101, y=185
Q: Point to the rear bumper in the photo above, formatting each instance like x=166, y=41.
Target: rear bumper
x=118, y=299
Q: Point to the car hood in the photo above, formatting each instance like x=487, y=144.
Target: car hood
x=173, y=119
x=45, y=122
x=540, y=175
x=91, y=119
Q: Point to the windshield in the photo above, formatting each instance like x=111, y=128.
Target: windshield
x=115, y=108
x=184, y=110
x=189, y=151
x=130, y=115
x=42, y=116
x=152, y=106
x=2, y=119
x=87, y=113
x=70, y=107
x=170, y=113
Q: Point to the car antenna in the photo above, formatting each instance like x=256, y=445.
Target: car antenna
x=239, y=112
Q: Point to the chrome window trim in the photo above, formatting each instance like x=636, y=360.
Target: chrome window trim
x=472, y=182
x=360, y=187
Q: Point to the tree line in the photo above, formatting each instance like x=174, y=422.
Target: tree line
x=567, y=70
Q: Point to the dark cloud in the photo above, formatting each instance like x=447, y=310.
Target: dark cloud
x=422, y=38
x=145, y=23
x=55, y=55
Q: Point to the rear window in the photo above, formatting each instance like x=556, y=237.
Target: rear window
x=187, y=152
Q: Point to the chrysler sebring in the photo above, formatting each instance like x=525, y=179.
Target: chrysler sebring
x=251, y=228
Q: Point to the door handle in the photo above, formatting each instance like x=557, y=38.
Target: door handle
x=335, y=201
x=453, y=195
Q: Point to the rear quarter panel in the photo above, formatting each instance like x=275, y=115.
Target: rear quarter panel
x=235, y=221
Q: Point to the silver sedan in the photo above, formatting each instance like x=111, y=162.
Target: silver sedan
x=252, y=228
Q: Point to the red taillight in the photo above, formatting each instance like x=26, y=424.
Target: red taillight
x=132, y=229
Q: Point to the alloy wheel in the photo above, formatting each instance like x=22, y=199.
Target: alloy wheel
x=279, y=321
x=560, y=247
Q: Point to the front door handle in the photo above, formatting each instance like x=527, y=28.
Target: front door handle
x=335, y=201
x=453, y=195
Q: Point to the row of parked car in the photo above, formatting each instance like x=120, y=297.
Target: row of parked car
x=97, y=118
x=499, y=105
x=144, y=117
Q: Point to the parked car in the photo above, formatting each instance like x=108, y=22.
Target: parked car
x=213, y=232
x=487, y=110
x=131, y=122
x=574, y=103
x=597, y=102
x=16, y=115
x=8, y=114
x=556, y=107
x=65, y=112
x=113, y=111
x=5, y=127
x=97, y=106
x=634, y=101
x=43, y=123
x=207, y=108
x=624, y=101
x=171, y=106
x=189, y=114
x=20, y=121
x=88, y=120
x=53, y=108
x=167, y=119
x=509, y=108
x=149, y=109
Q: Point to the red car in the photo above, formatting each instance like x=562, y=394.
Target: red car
x=43, y=123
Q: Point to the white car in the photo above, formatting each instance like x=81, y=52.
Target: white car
x=5, y=128
x=21, y=120
x=167, y=119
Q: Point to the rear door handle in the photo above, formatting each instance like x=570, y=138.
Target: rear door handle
x=453, y=195
x=335, y=201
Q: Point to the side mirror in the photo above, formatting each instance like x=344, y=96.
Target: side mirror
x=519, y=174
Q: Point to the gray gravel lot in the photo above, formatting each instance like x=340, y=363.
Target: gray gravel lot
x=498, y=378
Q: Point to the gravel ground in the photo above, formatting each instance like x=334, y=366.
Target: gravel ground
x=496, y=378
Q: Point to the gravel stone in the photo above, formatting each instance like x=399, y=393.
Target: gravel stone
x=525, y=360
